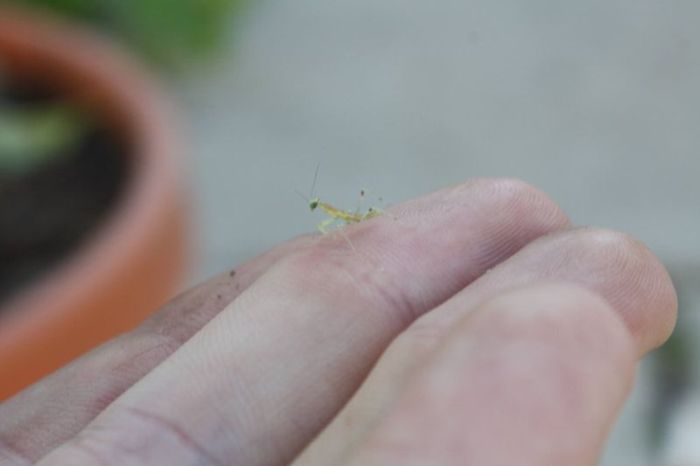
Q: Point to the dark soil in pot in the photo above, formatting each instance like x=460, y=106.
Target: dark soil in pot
x=47, y=211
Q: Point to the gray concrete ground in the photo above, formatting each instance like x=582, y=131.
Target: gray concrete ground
x=596, y=102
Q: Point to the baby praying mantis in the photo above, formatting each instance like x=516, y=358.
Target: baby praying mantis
x=336, y=215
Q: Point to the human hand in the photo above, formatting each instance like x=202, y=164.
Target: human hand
x=472, y=326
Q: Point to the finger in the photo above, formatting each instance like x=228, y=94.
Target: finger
x=533, y=377
x=57, y=407
x=611, y=264
x=265, y=375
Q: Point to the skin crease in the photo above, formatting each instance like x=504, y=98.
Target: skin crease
x=400, y=350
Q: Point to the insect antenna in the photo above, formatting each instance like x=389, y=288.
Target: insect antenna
x=313, y=185
x=301, y=195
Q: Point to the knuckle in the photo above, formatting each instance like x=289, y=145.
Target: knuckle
x=318, y=269
x=332, y=275
x=83, y=449
x=561, y=320
x=556, y=313
x=114, y=443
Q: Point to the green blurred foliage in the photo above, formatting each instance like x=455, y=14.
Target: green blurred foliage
x=171, y=32
x=33, y=136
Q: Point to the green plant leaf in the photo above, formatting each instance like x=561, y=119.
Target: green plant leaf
x=83, y=8
x=168, y=31
x=36, y=135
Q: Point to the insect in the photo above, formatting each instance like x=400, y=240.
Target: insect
x=337, y=215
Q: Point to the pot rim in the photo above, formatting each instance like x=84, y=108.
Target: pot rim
x=117, y=86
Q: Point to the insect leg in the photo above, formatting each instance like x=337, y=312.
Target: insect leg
x=324, y=225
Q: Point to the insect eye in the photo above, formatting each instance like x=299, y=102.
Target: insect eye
x=313, y=204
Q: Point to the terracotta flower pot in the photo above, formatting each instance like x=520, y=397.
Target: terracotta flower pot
x=132, y=263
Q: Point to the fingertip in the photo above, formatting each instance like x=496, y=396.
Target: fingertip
x=630, y=277
x=543, y=369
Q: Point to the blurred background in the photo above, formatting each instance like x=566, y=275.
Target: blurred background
x=597, y=103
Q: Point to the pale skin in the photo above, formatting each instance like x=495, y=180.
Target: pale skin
x=402, y=350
